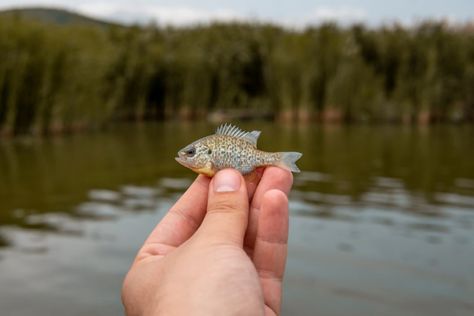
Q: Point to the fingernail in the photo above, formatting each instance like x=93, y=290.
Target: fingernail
x=226, y=181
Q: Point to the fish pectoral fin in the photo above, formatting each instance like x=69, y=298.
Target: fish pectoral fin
x=246, y=169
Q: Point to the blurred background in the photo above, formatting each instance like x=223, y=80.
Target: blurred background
x=96, y=97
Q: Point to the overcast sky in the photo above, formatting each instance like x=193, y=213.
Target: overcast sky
x=291, y=12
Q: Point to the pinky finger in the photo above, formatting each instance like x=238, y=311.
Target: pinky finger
x=271, y=245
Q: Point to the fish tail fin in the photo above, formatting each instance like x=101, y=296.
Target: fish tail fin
x=288, y=161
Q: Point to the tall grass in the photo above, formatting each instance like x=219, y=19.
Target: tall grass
x=55, y=78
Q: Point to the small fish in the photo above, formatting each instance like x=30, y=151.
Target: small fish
x=231, y=147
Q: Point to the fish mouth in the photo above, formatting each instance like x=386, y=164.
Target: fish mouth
x=181, y=160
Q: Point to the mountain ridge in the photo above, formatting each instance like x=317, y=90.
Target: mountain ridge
x=54, y=15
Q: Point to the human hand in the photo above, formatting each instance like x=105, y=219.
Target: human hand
x=215, y=253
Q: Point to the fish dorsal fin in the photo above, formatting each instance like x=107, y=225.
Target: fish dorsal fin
x=234, y=131
x=252, y=137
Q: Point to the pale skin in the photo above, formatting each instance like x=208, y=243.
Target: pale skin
x=220, y=250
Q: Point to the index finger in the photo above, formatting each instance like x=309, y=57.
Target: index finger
x=184, y=217
x=187, y=214
x=273, y=178
x=270, y=249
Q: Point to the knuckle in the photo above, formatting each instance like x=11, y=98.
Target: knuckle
x=223, y=206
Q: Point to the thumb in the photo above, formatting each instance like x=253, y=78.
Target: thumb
x=227, y=209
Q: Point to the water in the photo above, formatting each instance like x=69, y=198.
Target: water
x=382, y=218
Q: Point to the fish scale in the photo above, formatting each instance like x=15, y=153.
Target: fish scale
x=231, y=147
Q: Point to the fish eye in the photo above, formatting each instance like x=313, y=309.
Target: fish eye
x=191, y=151
x=209, y=151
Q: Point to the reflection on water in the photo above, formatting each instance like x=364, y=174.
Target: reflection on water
x=381, y=217
x=3, y=241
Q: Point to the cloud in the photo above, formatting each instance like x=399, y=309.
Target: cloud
x=143, y=12
x=342, y=15
x=139, y=11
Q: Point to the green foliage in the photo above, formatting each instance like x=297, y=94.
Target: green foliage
x=61, y=77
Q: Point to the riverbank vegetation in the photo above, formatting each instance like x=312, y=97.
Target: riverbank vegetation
x=57, y=77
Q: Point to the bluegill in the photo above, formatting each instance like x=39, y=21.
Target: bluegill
x=231, y=147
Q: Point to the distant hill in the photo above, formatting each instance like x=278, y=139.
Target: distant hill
x=56, y=16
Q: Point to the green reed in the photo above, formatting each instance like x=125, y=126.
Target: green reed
x=67, y=77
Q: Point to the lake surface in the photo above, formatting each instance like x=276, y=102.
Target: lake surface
x=382, y=218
